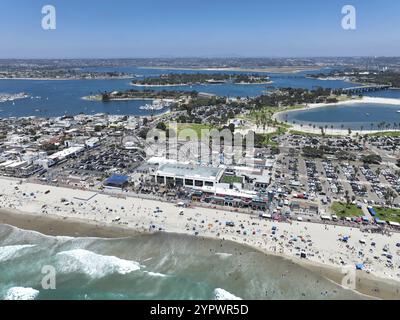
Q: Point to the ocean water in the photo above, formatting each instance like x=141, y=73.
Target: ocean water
x=353, y=116
x=58, y=98
x=159, y=266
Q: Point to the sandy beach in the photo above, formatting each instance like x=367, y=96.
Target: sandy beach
x=62, y=211
x=307, y=129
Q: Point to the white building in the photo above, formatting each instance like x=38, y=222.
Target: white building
x=180, y=174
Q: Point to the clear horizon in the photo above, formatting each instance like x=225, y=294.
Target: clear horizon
x=177, y=29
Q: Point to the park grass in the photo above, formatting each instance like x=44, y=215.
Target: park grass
x=269, y=111
x=385, y=134
x=346, y=210
x=267, y=138
x=196, y=127
x=388, y=214
x=310, y=134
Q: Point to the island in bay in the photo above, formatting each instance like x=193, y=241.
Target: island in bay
x=186, y=79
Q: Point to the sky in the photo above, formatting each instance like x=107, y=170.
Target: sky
x=192, y=28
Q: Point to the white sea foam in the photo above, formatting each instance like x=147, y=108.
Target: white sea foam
x=20, y=293
x=155, y=274
x=12, y=252
x=93, y=264
x=223, y=254
x=221, y=294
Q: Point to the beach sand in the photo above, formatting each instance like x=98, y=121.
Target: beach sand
x=86, y=213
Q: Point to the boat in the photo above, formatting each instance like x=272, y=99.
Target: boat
x=398, y=111
x=367, y=114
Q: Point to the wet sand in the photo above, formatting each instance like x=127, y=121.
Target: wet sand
x=368, y=285
x=57, y=226
x=87, y=213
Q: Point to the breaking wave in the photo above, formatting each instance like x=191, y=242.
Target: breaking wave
x=223, y=254
x=20, y=293
x=12, y=252
x=221, y=294
x=93, y=264
x=155, y=274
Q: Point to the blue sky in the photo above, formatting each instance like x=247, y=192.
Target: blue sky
x=217, y=28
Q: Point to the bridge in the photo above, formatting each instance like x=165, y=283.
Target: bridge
x=362, y=89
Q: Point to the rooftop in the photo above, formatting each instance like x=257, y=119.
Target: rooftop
x=187, y=170
x=116, y=180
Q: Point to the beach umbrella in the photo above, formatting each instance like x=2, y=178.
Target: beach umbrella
x=359, y=266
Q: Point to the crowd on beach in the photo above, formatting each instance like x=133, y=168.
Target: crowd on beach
x=335, y=246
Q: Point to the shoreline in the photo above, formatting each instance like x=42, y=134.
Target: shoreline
x=160, y=85
x=198, y=84
x=336, y=131
x=95, y=99
x=88, y=213
x=369, y=286
x=66, y=79
x=283, y=69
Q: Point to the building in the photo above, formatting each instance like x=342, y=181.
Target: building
x=66, y=153
x=186, y=175
x=116, y=181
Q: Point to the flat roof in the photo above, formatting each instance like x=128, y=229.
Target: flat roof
x=187, y=170
x=65, y=153
x=117, y=180
x=6, y=163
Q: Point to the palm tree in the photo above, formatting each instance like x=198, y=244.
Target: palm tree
x=347, y=197
x=257, y=120
x=263, y=120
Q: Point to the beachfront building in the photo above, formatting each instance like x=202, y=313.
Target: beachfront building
x=116, y=181
x=186, y=175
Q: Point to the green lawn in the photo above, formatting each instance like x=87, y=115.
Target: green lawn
x=385, y=134
x=310, y=134
x=388, y=214
x=266, y=139
x=346, y=210
x=231, y=179
x=196, y=127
